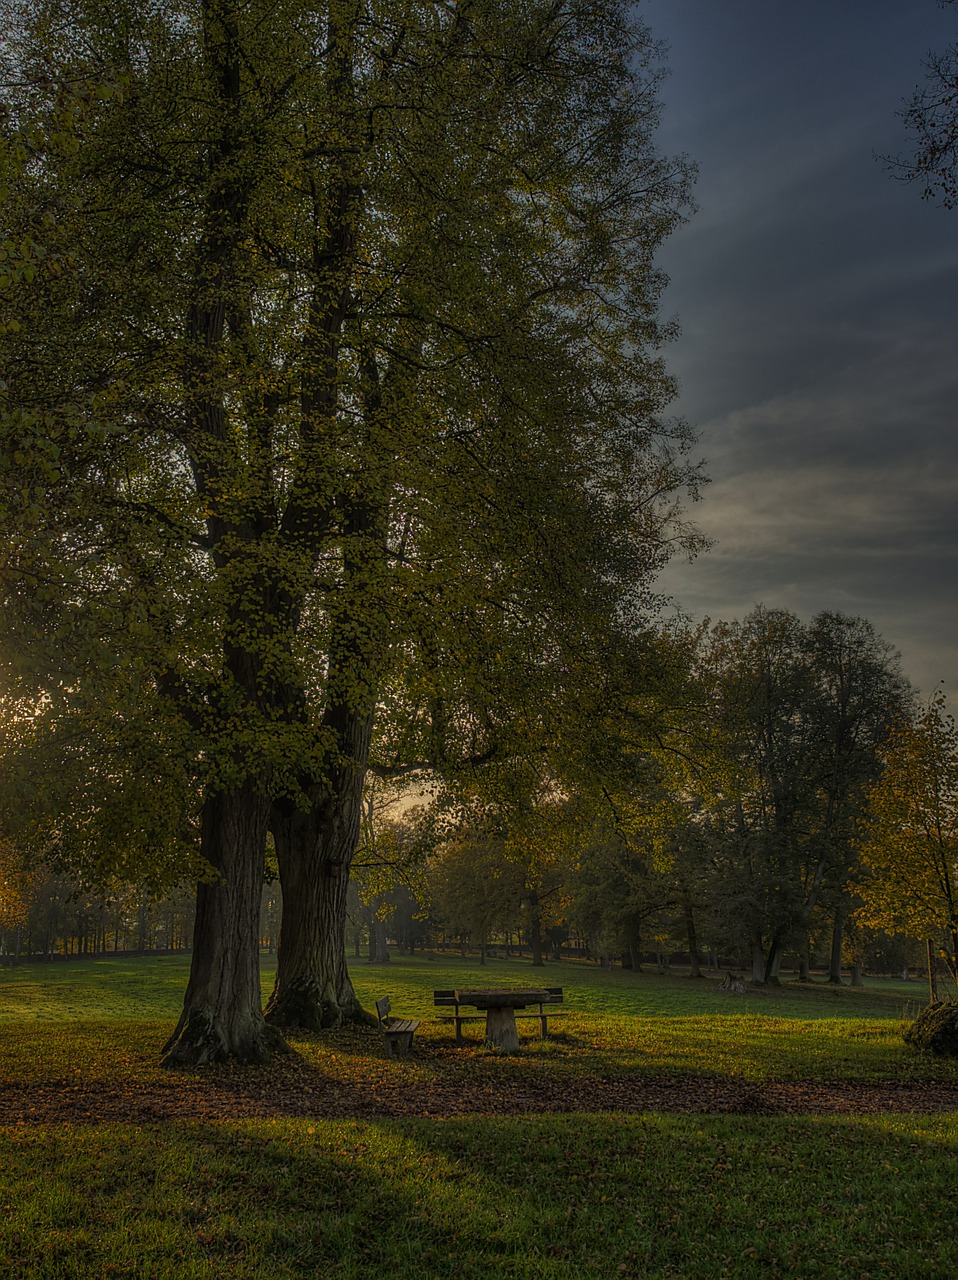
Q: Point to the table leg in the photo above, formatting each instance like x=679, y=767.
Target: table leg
x=501, y=1029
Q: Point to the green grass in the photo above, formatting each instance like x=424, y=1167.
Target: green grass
x=497, y=1197
x=152, y=987
x=484, y=1198
x=108, y=1017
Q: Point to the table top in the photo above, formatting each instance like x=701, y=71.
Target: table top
x=502, y=997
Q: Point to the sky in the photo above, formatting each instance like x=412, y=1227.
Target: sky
x=818, y=302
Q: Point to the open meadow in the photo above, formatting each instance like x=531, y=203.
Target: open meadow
x=669, y=1129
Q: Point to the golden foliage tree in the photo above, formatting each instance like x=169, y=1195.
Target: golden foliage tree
x=909, y=849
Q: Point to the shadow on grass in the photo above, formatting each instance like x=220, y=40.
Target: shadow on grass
x=600, y=1196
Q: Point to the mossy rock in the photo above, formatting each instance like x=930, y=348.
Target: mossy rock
x=935, y=1030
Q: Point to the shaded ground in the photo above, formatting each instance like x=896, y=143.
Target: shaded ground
x=437, y=1082
x=282, y=1093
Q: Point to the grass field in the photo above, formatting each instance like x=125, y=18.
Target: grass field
x=564, y=1195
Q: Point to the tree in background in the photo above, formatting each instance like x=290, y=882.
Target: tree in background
x=19, y=888
x=859, y=693
x=396, y=837
x=477, y=890
x=931, y=116
x=619, y=897
x=909, y=845
x=347, y=383
x=796, y=719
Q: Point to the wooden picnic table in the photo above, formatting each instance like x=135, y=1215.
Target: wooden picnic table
x=500, y=1005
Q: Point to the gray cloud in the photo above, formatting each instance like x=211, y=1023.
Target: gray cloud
x=817, y=297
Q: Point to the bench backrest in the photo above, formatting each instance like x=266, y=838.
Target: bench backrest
x=383, y=1007
x=449, y=997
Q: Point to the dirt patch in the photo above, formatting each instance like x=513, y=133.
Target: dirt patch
x=293, y=1088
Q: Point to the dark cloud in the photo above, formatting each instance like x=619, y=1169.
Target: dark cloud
x=817, y=297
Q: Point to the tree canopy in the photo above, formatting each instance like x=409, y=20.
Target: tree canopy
x=333, y=417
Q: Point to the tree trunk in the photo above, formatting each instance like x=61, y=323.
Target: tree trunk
x=804, y=959
x=635, y=946
x=222, y=1014
x=835, y=959
x=758, y=963
x=378, y=951
x=314, y=849
x=696, y=967
x=773, y=960
x=535, y=938
x=932, y=973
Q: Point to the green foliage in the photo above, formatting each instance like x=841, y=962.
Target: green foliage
x=341, y=430
x=797, y=715
x=477, y=889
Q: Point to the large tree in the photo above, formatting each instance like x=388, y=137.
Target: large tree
x=338, y=421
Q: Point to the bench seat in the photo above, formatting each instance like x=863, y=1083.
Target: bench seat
x=397, y=1032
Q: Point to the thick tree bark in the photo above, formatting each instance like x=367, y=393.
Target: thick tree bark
x=773, y=964
x=634, y=939
x=314, y=849
x=222, y=1014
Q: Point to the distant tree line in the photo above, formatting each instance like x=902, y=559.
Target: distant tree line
x=784, y=800
x=53, y=916
x=802, y=811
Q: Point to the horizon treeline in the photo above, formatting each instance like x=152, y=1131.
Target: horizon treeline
x=780, y=803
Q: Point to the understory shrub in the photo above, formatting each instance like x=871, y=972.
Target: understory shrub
x=935, y=1030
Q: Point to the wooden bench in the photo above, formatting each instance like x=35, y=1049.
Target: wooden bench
x=397, y=1032
x=448, y=998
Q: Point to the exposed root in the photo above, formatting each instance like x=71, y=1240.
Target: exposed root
x=201, y=1038
x=311, y=1007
